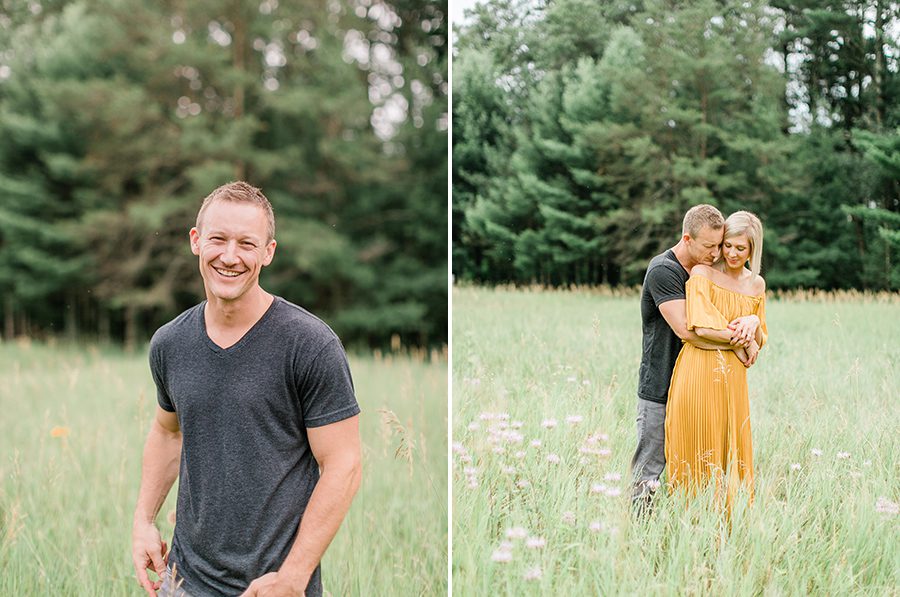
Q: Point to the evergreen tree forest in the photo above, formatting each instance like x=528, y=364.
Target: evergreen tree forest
x=582, y=132
x=117, y=117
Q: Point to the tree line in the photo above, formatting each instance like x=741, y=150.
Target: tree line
x=583, y=131
x=117, y=117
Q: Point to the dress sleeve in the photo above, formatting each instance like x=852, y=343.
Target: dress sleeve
x=701, y=312
x=761, y=313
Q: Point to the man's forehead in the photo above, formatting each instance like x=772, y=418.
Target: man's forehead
x=709, y=234
x=234, y=218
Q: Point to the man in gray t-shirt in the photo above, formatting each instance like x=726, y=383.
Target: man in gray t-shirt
x=664, y=327
x=255, y=399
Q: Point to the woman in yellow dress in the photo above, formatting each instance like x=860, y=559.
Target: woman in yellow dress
x=708, y=412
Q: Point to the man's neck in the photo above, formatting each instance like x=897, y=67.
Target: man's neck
x=240, y=313
x=683, y=256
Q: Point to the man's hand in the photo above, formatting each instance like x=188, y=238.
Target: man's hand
x=743, y=330
x=273, y=585
x=148, y=552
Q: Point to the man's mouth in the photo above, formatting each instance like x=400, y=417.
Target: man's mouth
x=227, y=272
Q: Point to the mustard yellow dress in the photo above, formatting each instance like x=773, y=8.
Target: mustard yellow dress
x=708, y=411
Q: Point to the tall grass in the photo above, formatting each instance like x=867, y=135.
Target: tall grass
x=544, y=429
x=71, y=436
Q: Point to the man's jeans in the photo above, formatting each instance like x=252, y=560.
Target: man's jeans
x=650, y=457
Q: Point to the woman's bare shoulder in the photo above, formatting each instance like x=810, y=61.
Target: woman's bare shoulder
x=759, y=285
x=703, y=270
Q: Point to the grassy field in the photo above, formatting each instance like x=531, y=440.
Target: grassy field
x=544, y=399
x=71, y=435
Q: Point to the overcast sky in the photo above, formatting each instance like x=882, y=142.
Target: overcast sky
x=457, y=7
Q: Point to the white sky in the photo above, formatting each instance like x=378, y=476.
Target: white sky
x=457, y=7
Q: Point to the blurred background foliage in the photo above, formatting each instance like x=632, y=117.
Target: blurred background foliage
x=117, y=117
x=583, y=131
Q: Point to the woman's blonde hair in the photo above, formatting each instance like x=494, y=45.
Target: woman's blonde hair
x=744, y=222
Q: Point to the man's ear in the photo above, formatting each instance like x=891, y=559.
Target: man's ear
x=194, y=235
x=270, y=252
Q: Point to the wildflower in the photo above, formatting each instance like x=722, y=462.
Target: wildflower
x=855, y=474
x=509, y=470
x=499, y=450
x=486, y=416
x=886, y=506
x=613, y=491
x=505, y=546
x=501, y=556
x=653, y=485
x=867, y=463
x=458, y=448
x=535, y=443
x=612, y=477
x=598, y=488
x=516, y=533
x=520, y=454
x=548, y=423
x=503, y=416
x=571, y=379
x=535, y=542
x=516, y=424
x=59, y=432
x=533, y=573
x=473, y=483
x=586, y=382
x=843, y=455
x=795, y=466
x=553, y=458
x=574, y=419
x=816, y=452
x=568, y=517
x=465, y=458
x=596, y=526
x=523, y=484
x=470, y=471
x=474, y=426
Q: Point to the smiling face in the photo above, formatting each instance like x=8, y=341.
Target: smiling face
x=704, y=248
x=736, y=251
x=233, y=245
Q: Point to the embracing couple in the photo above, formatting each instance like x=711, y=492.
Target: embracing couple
x=703, y=319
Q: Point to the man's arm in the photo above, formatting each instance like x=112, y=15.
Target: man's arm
x=675, y=314
x=336, y=448
x=162, y=457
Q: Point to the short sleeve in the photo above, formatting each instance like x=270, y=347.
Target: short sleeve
x=326, y=389
x=761, y=313
x=156, y=370
x=701, y=312
x=664, y=285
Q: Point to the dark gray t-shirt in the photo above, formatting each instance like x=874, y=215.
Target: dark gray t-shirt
x=247, y=471
x=664, y=281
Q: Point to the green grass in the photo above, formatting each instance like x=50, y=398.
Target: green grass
x=827, y=381
x=66, y=502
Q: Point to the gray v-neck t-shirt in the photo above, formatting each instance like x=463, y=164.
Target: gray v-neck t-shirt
x=247, y=470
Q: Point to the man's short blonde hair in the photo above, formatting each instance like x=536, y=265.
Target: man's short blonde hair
x=241, y=192
x=699, y=216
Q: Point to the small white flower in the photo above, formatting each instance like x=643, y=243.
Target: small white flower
x=523, y=484
x=473, y=483
x=520, y=454
x=535, y=542
x=533, y=573
x=574, y=419
x=465, y=458
x=598, y=488
x=867, y=463
x=473, y=426
x=548, y=423
x=795, y=466
x=535, y=443
x=653, y=485
x=613, y=491
x=486, y=416
x=586, y=382
x=843, y=455
x=505, y=546
x=516, y=424
x=470, y=470
x=459, y=448
x=553, y=458
x=816, y=452
x=509, y=470
x=571, y=379
x=612, y=477
x=568, y=517
x=502, y=556
x=503, y=416
x=499, y=450
x=516, y=533
x=886, y=506
x=597, y=526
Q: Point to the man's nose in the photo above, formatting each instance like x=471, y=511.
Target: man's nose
x=229, y=255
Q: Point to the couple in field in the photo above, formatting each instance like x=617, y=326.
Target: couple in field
x=703, y=319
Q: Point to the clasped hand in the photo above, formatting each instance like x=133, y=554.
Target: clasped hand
x=743, y=330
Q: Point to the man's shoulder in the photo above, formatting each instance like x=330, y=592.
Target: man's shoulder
x=175, y=329
x=665, y=264
x=300, y=322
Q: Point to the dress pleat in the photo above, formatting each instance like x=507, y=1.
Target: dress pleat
x=708, y=435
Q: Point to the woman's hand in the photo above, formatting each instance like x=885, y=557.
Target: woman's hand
x=741, y=353
x=752, y=353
